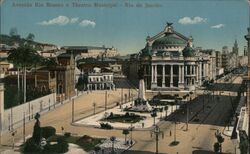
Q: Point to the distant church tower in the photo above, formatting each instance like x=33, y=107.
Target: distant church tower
x=235, y=48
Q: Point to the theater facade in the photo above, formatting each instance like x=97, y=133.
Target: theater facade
x=170, y=63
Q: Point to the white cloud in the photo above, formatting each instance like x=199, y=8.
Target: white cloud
x=74, y=20
x=189, y=20
x=85, y=23
x=63, y=20
x=218, y=26
x=60, y=20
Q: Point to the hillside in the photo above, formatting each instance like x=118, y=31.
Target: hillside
x=17, y=40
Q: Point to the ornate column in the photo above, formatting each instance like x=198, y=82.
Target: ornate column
x=156, y=74
x=196, y=73
x=200, y=72
x=179, y=79
x=205, y=70
x=163, y=75
x=152, y=73
x=183, y=75
x=171, y=76
x=185, y=70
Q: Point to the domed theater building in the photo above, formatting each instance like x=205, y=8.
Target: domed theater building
x=170, y=63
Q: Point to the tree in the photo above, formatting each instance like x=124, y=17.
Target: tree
x=216, y=147
x=243, y=142
x=30, y=37
x=13, y=32
x=125, y=132
x=24, y=57
x=81, y=85
x=220, y=140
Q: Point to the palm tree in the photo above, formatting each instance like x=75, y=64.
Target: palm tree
x=125, y=132
x=23, y=57
x=13, y=57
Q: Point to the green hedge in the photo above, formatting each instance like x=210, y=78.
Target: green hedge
x=48, y=131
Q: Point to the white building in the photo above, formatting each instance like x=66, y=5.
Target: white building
x=100, y=78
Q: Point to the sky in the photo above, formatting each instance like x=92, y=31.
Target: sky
x=125, y=24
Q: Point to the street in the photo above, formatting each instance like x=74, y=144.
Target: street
x=198, y=139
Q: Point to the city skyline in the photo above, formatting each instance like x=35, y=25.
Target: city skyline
x=211, y=24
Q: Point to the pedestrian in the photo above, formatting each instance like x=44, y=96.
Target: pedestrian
x=170, y=133
x=142, y=125
x=62, y=128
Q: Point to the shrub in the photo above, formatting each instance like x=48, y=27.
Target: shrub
x=31, y=147
x=111, y=115
x=67, y=134
x=61, y=146
x=97, y=148
x=48, y=131
x=106, y=126
x=127, y=114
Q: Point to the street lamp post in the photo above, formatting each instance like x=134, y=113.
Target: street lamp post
x=157, y=132
x=23, y=127
x=106, y=99
x=175, y=130
x=187, y=116
x=125, y=98
x=112, y=139
x=49, y=104
x=129, y=94
x=13, y=138
x=73, y=108
x=32, y=114
x=131, y=135
x=122, y=96
x=188, y=109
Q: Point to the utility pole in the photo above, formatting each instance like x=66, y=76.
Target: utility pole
x=73, y=104
x=11, y=117
x=129, y=94
x=32, y=115
x=174, y=130
x=131, y=130
x=203, y=106
x=13, y=138
x=112, y=139
x=49, y=104
x=23, y=127
x=29, y=110
x=106, y=99
x=122, y=96
x=187, y=116
x=157, y=132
